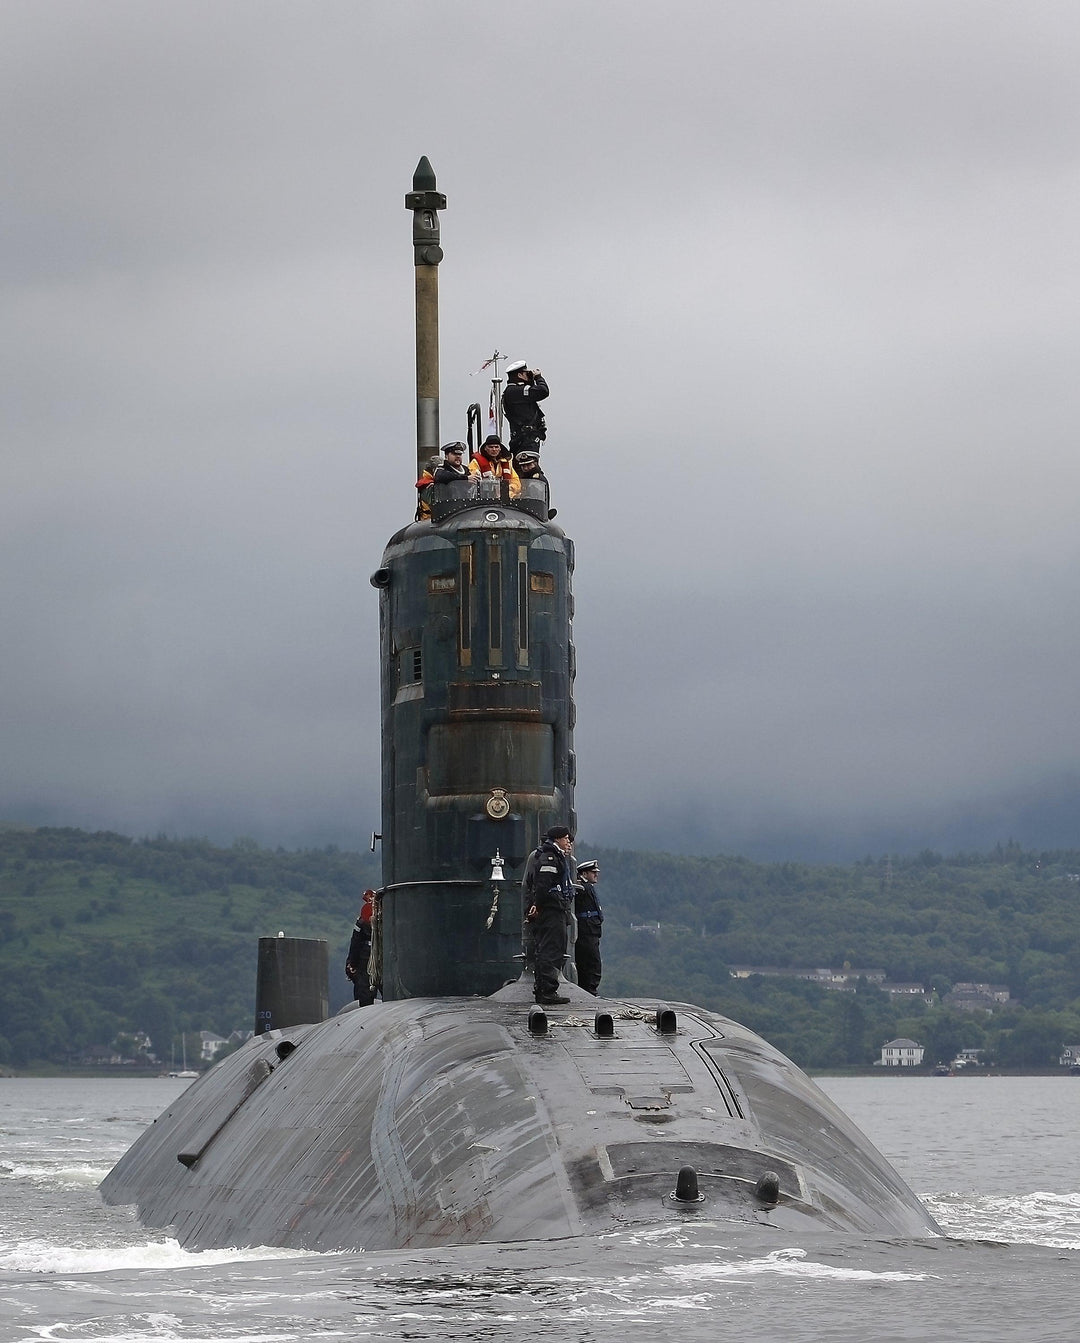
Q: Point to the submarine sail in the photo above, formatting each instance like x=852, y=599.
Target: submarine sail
x=477, y=707
x=456, y=1110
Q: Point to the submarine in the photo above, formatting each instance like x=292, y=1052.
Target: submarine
x=457, y=1110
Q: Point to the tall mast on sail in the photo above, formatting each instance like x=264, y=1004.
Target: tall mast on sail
x=425, y=203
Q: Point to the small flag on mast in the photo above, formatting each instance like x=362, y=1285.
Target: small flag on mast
x=488, y=363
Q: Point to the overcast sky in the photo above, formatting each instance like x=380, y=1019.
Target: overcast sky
x=802, y=277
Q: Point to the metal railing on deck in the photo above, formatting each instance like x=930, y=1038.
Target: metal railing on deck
x=455, y=496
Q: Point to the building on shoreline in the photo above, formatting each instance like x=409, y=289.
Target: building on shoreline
x=900, y=1053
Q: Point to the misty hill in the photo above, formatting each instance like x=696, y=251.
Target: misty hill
x=103, y=936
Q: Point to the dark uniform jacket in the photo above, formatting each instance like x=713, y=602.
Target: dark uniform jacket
x=552, y=878
x=519, y=405
x=359, y=948
x=587, y=909
x=447, y=472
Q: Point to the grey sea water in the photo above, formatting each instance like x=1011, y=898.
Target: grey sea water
x=996, y=1158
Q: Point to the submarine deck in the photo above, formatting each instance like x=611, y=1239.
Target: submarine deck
x=434, y=1121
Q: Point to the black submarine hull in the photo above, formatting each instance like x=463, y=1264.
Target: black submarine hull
x=428, y=1122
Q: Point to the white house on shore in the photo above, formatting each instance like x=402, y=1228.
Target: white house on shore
x=901, y=1053
x=210, y=1046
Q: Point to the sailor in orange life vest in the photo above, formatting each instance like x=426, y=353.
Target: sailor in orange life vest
x=427, y=477
x=494, y=459
x=356, y=963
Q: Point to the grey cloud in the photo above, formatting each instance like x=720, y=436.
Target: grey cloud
x=802, y=279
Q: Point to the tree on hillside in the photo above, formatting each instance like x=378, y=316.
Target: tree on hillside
x=1034, y=1042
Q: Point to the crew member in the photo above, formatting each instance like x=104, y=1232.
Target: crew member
x=493, y=461
x=525, y=387
x=528, y=924
x=527, y=465
x=452, y=466
x=549, y=910
x=427, y=477
x=590, y=918
x=356, y=963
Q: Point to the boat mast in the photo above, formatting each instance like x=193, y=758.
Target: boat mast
x=496, y=392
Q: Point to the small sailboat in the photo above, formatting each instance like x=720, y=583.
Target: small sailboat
x=187, y=1073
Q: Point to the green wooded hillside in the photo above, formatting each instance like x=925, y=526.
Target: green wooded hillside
x=1008, y=917
x=102, y=936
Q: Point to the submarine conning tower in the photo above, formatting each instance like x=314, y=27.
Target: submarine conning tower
x=477, y=670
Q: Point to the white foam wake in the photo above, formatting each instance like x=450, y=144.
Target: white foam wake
x=792, y=1263
x=39, y=1256
x=77, y=1175
x=1039, y=1218
x=157, y=1325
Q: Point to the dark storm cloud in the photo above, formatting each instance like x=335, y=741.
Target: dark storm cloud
x=802, y=277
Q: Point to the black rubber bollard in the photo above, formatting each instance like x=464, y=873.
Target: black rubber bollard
x=686, y=1186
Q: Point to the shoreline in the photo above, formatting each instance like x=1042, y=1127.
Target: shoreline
x=929, y=1072
x=47, y=1073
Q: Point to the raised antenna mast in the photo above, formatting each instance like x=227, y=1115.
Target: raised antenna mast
x=496, y=390
x=425, y=203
